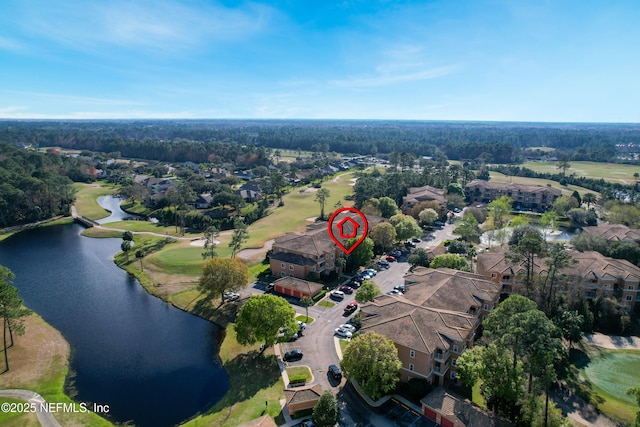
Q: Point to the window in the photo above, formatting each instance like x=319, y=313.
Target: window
x=332, y=255
x=412, y=354
x=486, y=306
x=431, y=356
x=453, y=375
x=506, y=277
x=290, y=267
x=283, y=274
x=455, y=348
x=606, y=286
x=494, y=275
x=630, y=288
x=314, y=268
x=282, y=265
x=411, y=366
x=453, y=362
x=484, y=317
x=291, y=275
x=629, y=297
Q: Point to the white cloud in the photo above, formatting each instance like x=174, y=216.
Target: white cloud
x=158, y=25
x=390, y=75
x=9, y=44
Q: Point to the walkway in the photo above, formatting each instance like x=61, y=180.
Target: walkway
x=45, y=418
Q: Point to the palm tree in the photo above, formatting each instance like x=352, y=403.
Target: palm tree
x=589, y=198
x=321, y=197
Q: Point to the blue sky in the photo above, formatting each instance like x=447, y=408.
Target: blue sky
x=511, y=60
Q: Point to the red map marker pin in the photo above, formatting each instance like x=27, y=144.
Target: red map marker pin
x=347, y=228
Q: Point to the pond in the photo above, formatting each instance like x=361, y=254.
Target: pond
x=152, y=363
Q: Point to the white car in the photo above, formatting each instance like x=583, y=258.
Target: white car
x=347, y=327
x=371, y=272
x=302, y=324
x=341, y=332
x=231, y=296
x=337, y=294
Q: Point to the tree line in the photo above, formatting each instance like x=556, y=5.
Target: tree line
x=35, y=186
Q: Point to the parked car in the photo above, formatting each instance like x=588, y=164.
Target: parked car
x=351, y=307
x=371, y=271
x=416, y=240
x=346, y=289
x=293, y=355
x=335, y=372
x=410, y=244
x=231, y=296
x=269, y=287
x=349, y=327
x=302, y=325
x=396, y=253
x=400, y=288
x=438, y=224
x=341, y=332
x=391, y=258
x=383, y=263
x=337, y=295
x=354, y=284
x=394, y=292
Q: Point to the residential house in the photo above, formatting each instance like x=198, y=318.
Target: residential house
x=593, y=273
x=524, y=196
x=313, y=251
x=203, y=201
x=434, y=321
x=250, y=192
x=417, y=195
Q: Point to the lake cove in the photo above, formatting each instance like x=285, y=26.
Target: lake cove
x=152, y=363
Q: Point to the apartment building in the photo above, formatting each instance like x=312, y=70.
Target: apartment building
x=417, y=195
x=523, y=196
x=434, y=321
x=313, y=251
x=593, y=272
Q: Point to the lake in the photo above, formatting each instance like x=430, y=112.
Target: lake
x=152, y=363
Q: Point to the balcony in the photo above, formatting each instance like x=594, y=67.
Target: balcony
x=441, y=356
x=440, y=370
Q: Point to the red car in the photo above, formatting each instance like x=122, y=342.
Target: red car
x=346, y=289
x=391, y=259
x=351, y=307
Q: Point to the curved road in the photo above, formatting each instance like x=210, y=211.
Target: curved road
x=45, y=418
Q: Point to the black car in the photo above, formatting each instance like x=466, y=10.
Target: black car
x=268, y=287
x=335, y=372
x=293, y=355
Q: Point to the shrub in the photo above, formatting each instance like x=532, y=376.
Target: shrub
x=297, y=379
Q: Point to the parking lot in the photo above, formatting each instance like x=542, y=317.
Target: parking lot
x=404, y=416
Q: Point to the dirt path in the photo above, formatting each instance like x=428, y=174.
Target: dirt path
x=613, y=341
x=578, y=411
x=251, y=254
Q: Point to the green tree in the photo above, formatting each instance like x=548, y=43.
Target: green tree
x=211, y=234
x=549, y=223
x=325, y=413
x=306, y=302
x=387, y=206
x=239, y=236
x=125, y=247
x=498, y=209
x=139, y=256
x=360, y=255
x=262, y=317
x=589, y=199
x=367, y=292
x=428, y=216
x=321, y=197
x=419, y=257
x=222, y=274
x=635, y=392
x=570, y=324
x=563, y=164
x=524, y=251
x=468, y=228
x=406, y=227
x=563, y=204
x=383, y=235
x=372, y=360
x=11, y=310
x=558, y=258
x=453, y=261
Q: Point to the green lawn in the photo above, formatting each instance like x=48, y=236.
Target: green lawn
x=566, y=190
x=325, y=303
x=149, y=227
x=17, y=419
x=610, y=373
x=613, y=172
x=87, y=200
x=300, y=370
x=305, y=319
x=255, y=379
x=297, y=208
